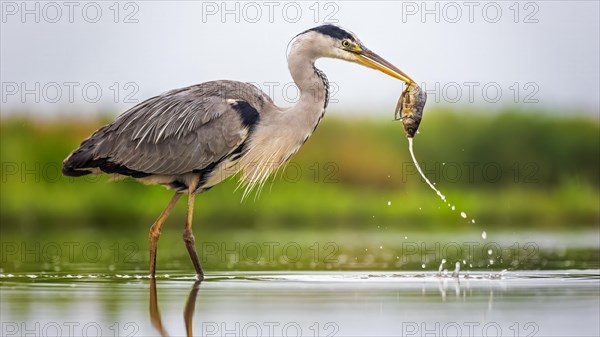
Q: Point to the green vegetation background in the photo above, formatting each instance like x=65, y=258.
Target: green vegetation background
x=351, y=199
x=511, y=169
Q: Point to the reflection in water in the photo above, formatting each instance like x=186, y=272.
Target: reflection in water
x=190, y=307
x=188, y=312
x=516, y=303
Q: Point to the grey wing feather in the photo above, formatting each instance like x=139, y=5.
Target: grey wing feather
x=180, y=131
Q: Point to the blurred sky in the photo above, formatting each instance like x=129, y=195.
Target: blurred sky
x=540, y=55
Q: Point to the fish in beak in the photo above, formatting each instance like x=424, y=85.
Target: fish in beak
x=412, y=101
x=410, y=109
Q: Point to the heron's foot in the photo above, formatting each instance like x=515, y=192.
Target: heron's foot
x=190, y=244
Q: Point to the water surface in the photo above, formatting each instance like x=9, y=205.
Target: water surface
x=519, y=303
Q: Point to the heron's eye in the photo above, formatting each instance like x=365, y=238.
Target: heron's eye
x=345, y=43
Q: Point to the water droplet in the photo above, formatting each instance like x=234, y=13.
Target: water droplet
x=484, y=235
x=380, y=247
x=463, y=215
x=423, y=266
x=472, y=220
x=389, y=203
x=489, y=252
x=453, y=208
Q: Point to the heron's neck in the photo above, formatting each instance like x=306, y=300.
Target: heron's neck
x=280, y=135
x=314, y=89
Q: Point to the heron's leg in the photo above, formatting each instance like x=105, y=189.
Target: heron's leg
x=188, y=236
x=155, y=232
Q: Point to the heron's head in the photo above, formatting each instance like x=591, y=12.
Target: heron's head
x=336, y=42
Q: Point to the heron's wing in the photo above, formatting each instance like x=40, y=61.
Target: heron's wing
x=181, y=131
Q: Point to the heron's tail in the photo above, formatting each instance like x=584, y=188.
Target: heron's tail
x=89, y=158
x=78, y=162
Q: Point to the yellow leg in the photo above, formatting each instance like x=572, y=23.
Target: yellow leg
x=155, y=232
x=188, y=236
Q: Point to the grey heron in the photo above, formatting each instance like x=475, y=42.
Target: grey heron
x=192, y=138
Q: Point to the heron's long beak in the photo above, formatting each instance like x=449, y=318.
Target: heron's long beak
x=372, y=60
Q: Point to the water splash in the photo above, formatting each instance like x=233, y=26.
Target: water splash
x=456, y=269
x=441, y=266
x=431, y=185
x=412, y=154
